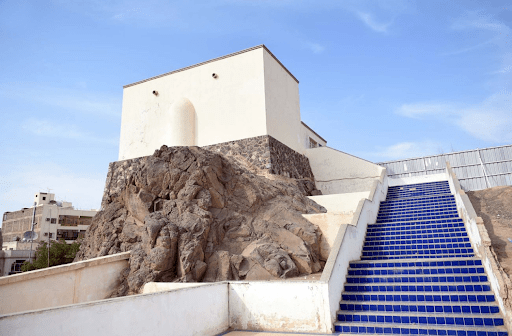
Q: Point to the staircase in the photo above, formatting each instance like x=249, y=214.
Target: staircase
x=418, y=274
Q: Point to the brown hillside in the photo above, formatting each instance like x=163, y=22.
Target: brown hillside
x=494, y=205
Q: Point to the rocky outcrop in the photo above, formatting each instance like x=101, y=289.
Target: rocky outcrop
x=188, y=214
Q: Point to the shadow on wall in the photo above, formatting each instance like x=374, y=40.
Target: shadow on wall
x=337, y=172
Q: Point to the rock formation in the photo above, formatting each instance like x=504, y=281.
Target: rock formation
x=188, y=215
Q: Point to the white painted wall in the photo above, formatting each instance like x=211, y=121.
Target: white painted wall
x=338, y=173
x=348, y=245
x=307, y=133
x=340, y=203
x=200, y=311
x=278, y=306
x=83, y=281
x=282, y=104
x=418, y=179
x=481, y=243
x=230, y=107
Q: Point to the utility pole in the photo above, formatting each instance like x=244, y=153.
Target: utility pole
x=32, y=234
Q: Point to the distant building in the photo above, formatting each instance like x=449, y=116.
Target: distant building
x=54, y=220
x=11, y=261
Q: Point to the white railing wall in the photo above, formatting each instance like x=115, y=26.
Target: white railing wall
x=500, y=282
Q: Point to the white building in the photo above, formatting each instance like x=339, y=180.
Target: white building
x=242, y=95
x=54, y=220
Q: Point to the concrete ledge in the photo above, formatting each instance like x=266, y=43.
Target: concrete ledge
x=63, y=268
x=340, y=203
x=501, y=284
x=155, y=287
x=78, y=282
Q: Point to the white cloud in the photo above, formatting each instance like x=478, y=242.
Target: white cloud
x=17, y=189
x=371, y=22
x=419, y=110
x=67, y=131
x=478, y=20
x=405, y=150
x=314, y=47
x=71, y=100
x=490, y=120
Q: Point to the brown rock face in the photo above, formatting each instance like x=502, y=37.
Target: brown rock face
x=188, y=214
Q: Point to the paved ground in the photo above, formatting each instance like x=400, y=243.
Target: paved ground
x=267, y=333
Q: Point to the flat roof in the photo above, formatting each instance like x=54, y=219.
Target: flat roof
x=213, y=60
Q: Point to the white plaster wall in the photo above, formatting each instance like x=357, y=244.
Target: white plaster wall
x=418, y=179
x=340, y=203
x=329, y=225
x=306, y=133
x=338, y=173
x=282, y=104
x=278, y=306
x=201, y=311
x=154, y=287
x=348, y=245
x=230, y=107
x=480, y=242
x=83, y=281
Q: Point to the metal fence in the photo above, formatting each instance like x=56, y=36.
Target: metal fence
x=476, y=169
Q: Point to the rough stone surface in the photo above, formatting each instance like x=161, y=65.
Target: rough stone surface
x=267, y=153
x=188, y=214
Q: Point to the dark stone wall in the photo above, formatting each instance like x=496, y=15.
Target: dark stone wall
x=252, y=151
x=266, y=152
x=287, y=162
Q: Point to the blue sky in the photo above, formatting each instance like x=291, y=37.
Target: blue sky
x=382, y=80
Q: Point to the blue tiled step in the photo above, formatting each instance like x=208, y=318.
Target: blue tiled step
x=399, y=329
x=416, y=193
x=456, y=271
x=405, y=247
x=418, y=218
x=485, y=309
x=417, y=241
x=432, y=205
x=416, y=222
x=415, y=263
x=412, y=195
x=419, y=256
x=417, y=213
x=417, y=201
x=474, y=297
x=418, y=252
x=457, y=232
x=415, y=209
x=422, y=319
x=428, y=288
x=411, y=229
x=415, y=279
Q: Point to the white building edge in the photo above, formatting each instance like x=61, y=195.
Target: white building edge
x=192, y=107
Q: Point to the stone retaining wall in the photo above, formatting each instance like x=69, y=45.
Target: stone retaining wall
x=262, y=152
x=267, y=153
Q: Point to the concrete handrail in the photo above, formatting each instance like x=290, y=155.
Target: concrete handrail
x=501, y=284
x=63, y=268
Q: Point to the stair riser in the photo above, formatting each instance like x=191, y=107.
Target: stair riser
x=448, y=309
x=470, y=298
x=369, y=330
x=418, y=280
x=409, y=272
x=430, y=320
